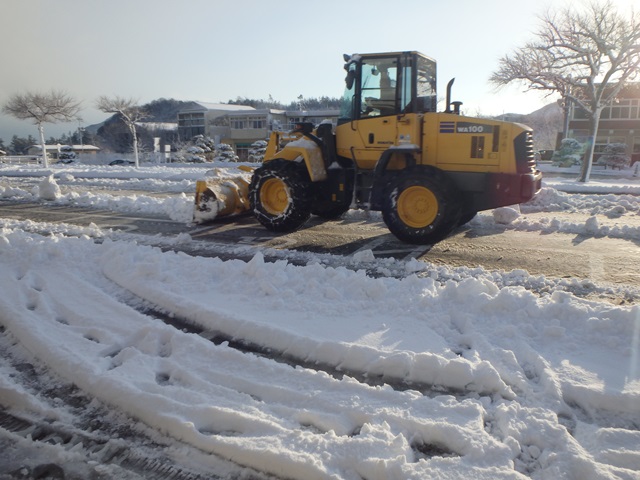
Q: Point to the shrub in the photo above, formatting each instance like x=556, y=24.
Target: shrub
x=224, y=153
x=67, y=153
x=614, y=155
x=569, y=153
x=257, y=151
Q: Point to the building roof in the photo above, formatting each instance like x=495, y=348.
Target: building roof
x=74, y=147
x=167, y=126
x=199, y=106
x=260, y=111
x=313, y=113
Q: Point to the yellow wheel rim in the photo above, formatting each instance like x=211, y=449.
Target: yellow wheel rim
x=274, y=196
x=417, y=207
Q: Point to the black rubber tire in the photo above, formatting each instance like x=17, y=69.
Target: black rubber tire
x=280, y=195
x=421, y=206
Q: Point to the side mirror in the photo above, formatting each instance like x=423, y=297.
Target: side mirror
x=351, y=76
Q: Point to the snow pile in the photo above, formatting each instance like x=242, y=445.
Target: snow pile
x=48, y=189
x=505, y=215
x=591, y=226
x=550, y=199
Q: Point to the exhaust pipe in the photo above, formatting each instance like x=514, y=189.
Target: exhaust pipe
x=449, y=85
x=456, y=105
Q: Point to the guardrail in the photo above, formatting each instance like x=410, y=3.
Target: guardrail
x=21, y=159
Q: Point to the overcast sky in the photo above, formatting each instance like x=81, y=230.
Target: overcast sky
x=217, y=50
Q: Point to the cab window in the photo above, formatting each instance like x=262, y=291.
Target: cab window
x=378, y=87
x=426, y=85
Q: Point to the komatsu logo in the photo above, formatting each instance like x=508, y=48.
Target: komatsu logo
x=465, y=127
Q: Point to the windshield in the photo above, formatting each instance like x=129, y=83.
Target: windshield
x=347, y=104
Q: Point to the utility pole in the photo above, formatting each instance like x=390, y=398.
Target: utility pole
x=565, y=104
x=81, y=131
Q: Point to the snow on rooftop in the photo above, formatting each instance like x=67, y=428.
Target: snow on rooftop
x=223, y=106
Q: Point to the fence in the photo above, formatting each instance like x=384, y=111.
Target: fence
x=88, y=158
x=103, y=158
x=21, y=159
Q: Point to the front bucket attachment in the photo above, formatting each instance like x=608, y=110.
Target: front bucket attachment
x=220, y=197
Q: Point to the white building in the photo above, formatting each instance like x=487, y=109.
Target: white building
x=240, y=126
x=53, y=151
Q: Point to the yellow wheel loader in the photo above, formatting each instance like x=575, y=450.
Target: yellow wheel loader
x=391, y=151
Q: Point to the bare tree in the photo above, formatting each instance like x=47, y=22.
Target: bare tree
x=586, y=55
x=130, y=113
x=41, y=108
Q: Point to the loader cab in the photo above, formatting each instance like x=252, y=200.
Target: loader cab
x=379, y=85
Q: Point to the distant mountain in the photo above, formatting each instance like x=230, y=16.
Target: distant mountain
x=162, y=110
x=165, y=110
x=546, y=123
x=549, y=110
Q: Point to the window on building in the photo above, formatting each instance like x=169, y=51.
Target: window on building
x=293, y=121
x=625, y=109
x=238, y=124
x=603, y=140
x=190, y=125
x=191, y=120
x=579, y=114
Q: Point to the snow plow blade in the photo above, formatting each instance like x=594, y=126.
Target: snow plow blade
x=222, y=196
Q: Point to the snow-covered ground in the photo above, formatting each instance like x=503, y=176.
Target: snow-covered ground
x=468, y=378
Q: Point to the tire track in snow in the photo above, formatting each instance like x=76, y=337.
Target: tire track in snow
x=269, y=353
x=88, y=438
x=214, y=398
